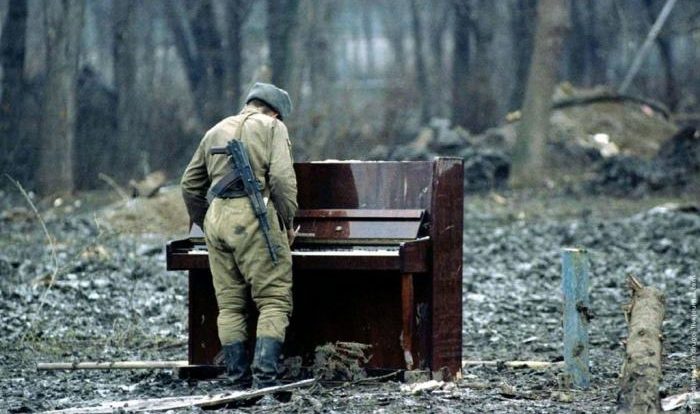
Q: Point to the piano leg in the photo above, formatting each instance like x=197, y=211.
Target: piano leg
x=408, y=318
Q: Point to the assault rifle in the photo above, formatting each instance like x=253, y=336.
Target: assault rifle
x=238, y=155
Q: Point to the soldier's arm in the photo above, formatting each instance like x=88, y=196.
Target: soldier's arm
x=283, y=181
x=194, y=184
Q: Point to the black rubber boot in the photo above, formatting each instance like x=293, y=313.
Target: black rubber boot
x=237, y=364
x=267, y=354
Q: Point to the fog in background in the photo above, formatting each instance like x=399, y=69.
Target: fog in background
x=126, y=87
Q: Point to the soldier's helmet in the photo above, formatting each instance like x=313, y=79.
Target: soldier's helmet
x=276, y=98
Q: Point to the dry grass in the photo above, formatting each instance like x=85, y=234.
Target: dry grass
x=164, y=213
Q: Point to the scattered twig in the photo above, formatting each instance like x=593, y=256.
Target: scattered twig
x=375, y=379
x=514, y=364
x=52, y=243
x=110, y=181
x=163, y=345
x=50, y=366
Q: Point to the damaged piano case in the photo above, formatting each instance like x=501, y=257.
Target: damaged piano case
x=378, y=260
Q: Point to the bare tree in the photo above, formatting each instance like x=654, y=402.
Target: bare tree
x=481, y=92
x=438, y=25
x=460, y=62
x=124, y=60
x=64, y=21
x=237, y=12
x=421, y=74
x=368, y=32
x=281, y=21
x=200, y=47
x=522, y=32
x=393, y=24
x=529, y=152
x=320, y=52
x=12, y=53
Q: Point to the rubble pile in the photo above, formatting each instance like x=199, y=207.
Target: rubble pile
x=674, y=166
x=597, y=142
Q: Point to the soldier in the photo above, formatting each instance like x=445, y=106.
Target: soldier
x=238, y=254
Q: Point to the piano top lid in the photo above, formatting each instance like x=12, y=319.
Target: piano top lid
x=357, y=226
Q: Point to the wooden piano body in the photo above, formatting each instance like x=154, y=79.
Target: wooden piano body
x=378, y=260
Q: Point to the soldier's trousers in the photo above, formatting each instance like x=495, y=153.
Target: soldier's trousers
x=238, y=256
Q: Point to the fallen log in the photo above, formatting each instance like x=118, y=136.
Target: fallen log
x=172, y=403
x=111, y=365
x=641, y=372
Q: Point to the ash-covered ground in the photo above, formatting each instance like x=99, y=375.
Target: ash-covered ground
x=111, y=299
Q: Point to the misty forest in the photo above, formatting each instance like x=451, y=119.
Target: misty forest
x=575, y=124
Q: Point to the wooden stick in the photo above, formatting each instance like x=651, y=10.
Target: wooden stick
x=172, y=403
x=576, y=314
x=641, y=372
x=112, y=365
x=514, y=364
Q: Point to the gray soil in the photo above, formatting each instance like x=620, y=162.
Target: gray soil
x=113, y=300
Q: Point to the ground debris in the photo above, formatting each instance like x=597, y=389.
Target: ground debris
x=341, y=361
x=128, y=307
x=679, y=400
x=218, y=400
x=419, y=387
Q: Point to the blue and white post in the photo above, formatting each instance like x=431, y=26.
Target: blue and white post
x=575, y=285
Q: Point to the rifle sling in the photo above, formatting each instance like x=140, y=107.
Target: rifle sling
x=230, y=185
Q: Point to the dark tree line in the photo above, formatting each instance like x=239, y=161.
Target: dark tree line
x=126, y=87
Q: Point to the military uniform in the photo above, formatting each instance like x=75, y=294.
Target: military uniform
x=238, y=254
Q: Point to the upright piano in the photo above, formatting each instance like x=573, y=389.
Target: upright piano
x=377, y=260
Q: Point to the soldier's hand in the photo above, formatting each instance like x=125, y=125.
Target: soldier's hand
x=292, y=234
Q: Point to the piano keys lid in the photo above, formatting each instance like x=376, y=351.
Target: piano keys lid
x=358, y=226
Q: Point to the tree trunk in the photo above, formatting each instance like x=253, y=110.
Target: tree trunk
x=523, y=25
x=641, y=374
x=483, y=112
x=210, y=48
x=322, y=105
x=594, y=49
x=12, y=52
x=200, y=47
x=393, y=25
x=281, y=22
x=64, y=21
x=366, y=15
x=237, y=12
x=529, y=151
x=439, y=82
x=421, y=74
x=128, y=137
x=460, y=62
